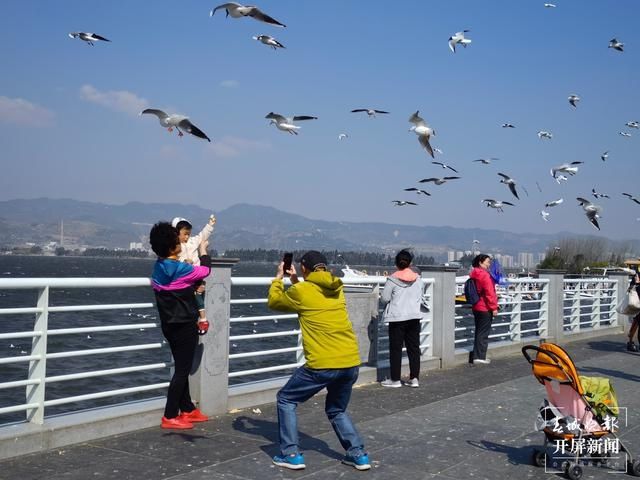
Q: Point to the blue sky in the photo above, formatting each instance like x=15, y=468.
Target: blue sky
x=70, y=127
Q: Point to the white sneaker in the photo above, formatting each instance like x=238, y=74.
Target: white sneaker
x=413, y=383
x=391, y=384
x=482, y=361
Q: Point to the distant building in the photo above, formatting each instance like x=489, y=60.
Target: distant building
x=459, y=255
x=451, y=256
x=525, y=259
x=505, y=260
x=136, y=246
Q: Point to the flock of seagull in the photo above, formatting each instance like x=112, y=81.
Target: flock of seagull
x=420, y=127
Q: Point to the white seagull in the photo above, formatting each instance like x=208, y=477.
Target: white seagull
x=616, y=45
x=235, y=10
x=418, y=191
x=423, y=131
x=561, y=178
x=342, y=136
x=179, y=122
x=437, y=181
x=544, y=215
x=437, y=150
x=549, y=5
x=269, y=41
x=604, y=156
x=88, y=37
x=632, y=198
x=633, y=124
x=554, y=203
x=497, y=204
x=570, y=168
x=458, y=38
x=444, y=165
x=402, y=203
x=485, y=161
x=598, y=195
x=371, y=112
x=508, y=125
x=624, y=134
x=591, y=210
x=286, y=124
x=544, y=134
x=573, y=100
x=510, y=182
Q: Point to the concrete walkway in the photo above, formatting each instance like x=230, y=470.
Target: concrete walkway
x=469, y=422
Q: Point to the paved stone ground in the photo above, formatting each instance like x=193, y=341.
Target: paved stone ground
x=469, y=422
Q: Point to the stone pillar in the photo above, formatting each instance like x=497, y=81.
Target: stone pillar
x=209, y=383
x=623, y=284
x=363, y=313
x=555, y=304
x=444, y=311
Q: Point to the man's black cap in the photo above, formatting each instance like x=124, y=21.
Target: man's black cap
x=312, y=260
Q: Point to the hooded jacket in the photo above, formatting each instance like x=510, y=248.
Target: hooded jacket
x=402, y=295
x=328, y=339
x=486, y=290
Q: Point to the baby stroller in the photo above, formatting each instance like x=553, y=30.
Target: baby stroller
x=578, y=418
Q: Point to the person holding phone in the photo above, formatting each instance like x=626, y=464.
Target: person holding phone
x=331, y=353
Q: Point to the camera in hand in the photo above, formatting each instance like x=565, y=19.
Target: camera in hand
x=287, y=259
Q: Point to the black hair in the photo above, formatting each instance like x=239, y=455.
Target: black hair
x=199, y=283
x=183, y=224
x=163, y=238
x=403, y=259
x=479, y=259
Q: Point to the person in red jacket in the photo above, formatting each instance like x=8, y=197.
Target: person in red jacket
x=485, y=309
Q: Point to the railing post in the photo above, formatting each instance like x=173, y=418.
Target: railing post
x=443, y=305
x=515, y=325
x=209, y=384
x=619, y=292
x=38, y=368
x=555, y=306
x=363, y=313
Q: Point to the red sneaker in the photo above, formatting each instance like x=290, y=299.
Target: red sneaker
x=194, y=416
x=177, y=423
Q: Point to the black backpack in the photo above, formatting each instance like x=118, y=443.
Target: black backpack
x=471, y=292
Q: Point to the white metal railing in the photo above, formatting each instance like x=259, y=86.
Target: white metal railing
x=523, y=314
x=589, y=304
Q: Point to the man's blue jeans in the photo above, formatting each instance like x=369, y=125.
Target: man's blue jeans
x=304, y=384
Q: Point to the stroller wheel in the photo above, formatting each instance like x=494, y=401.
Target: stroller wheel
x=634, y=468
x=574, y=472
x=539, y=458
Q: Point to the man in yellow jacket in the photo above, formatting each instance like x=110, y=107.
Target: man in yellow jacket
x=331, y=351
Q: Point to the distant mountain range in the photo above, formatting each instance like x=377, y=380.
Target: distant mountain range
x=243, y=226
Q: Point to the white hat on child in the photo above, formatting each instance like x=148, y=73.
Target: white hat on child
x=176, y=220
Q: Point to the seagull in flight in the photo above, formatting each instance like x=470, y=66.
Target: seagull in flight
x=591, y=210
x=423, y=131
x=604, y=156
x=598, y=195
x=402, y=203
x=510, y=182
x=444, y=165
x=570, y=168
x=88, y=37
x=437, y=150
x=616, y=45
x=508, y=125
x=418, y=191
x=573, y=100
x=632, y=198
x=624, y=134
x=544, y=214
x=633, y=124
x=235, y=10
x=544, y=134
x=554, y=203
x=549, y=5
x=179, y=122
x=342, y=136
x=485, y=161
x=497, y=204
x=286, y=123
x=371, y=112
x=438, y=181
x=458, y=38
x=269, y=41
x=561, y=178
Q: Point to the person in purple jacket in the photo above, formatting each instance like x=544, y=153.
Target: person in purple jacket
x=174, y=287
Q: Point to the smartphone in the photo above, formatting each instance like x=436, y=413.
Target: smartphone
x=287, y=259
